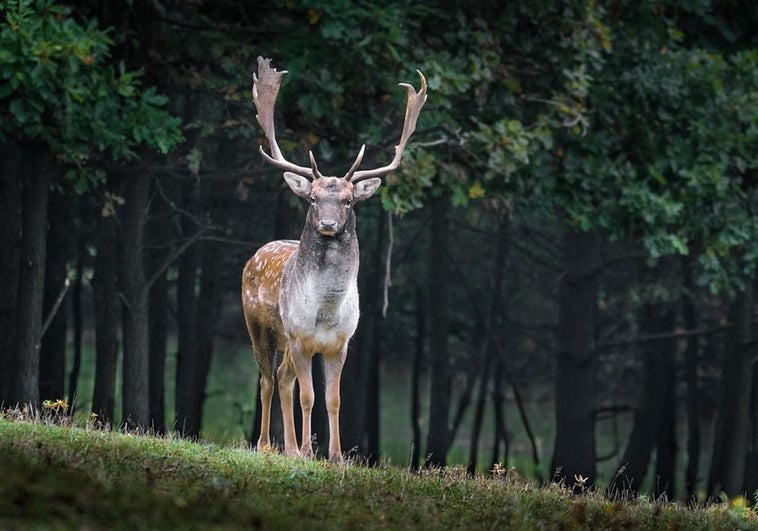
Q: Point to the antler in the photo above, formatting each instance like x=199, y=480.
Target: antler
x=265, y=89
x=266, y=86
x=416, y=101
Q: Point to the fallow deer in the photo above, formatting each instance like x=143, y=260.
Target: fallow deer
x=301, y=297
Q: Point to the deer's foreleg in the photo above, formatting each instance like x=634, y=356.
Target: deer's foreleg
x=332, y=374
x=286, y=376
x=303, y=364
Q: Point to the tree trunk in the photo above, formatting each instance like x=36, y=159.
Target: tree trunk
x=106, y=306
x=76, y=312
x=372, y=392
x=34, y=196
x=160, y=233
x=10, y=238
x=654, y=414
x=574, y=454
x=196, y=333
x=52, y=372
x=751, y=461
x=476, y=427
x=361, y=374
x=733, y=425
x=209, y=300
x=136, y=410
x=487, y=346
x=187, y=416
x=665, y=449
x=382, y=252
x=691, y=363
x=438, y=436
x=529, y=432
x=158, y=317
x=500, y=432
x=418, y=359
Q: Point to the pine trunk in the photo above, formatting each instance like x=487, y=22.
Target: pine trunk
x=187, y=416
x=438, y=436
x=53, y=351
x=10, y=237
x=107, y=306
x=654, y=414
x=34, y=197
x=733, y=426
x=574, y=455
x=136, y=410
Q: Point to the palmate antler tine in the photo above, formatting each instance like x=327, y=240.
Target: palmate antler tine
x=415, y=103
x=266, y=86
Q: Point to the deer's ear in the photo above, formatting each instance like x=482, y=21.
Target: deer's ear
x=298, y=184
x=365, y=189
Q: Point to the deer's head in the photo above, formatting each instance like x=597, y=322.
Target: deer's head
x=331, y=198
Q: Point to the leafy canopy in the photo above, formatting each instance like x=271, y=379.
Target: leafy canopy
x=58, y=87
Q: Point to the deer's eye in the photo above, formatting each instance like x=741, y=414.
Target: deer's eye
x=348, y=202
x=313, y=200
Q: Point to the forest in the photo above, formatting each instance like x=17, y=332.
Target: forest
x=572, y=223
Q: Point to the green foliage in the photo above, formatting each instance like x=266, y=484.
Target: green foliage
x=69, y=477
x=621, y=124
x=58, y=87
x=499, y=99
x=670, y=156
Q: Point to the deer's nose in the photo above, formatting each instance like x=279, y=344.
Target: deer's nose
x=327, y=225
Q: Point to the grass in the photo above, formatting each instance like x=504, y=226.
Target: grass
x=61, y=477
x=229, y=410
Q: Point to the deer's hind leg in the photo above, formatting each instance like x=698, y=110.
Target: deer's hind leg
x=264, y=348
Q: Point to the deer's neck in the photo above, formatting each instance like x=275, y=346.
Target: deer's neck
x=319, y=297
x=328, y=263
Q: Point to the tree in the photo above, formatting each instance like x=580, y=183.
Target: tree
x=582, y=123
x=652, y=430
x=575, y=453
x=67, y=106
x=665, y=159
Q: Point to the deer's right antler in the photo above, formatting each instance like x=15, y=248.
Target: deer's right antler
x=265, y=89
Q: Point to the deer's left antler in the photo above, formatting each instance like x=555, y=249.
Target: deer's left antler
x=415, y=103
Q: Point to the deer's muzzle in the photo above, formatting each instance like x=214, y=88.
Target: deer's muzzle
x=327, y=227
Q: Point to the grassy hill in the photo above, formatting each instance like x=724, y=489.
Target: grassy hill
x=63, y=477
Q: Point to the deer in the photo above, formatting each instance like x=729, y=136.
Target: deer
x=300, y=297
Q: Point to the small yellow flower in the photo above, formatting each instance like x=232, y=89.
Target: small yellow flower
x=580, y=480
x=476, y=191
x=738, y=502
x=57, y=406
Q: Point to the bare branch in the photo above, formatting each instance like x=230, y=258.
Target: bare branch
x=174, y=254
x=388, y=264
x=55, y=308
